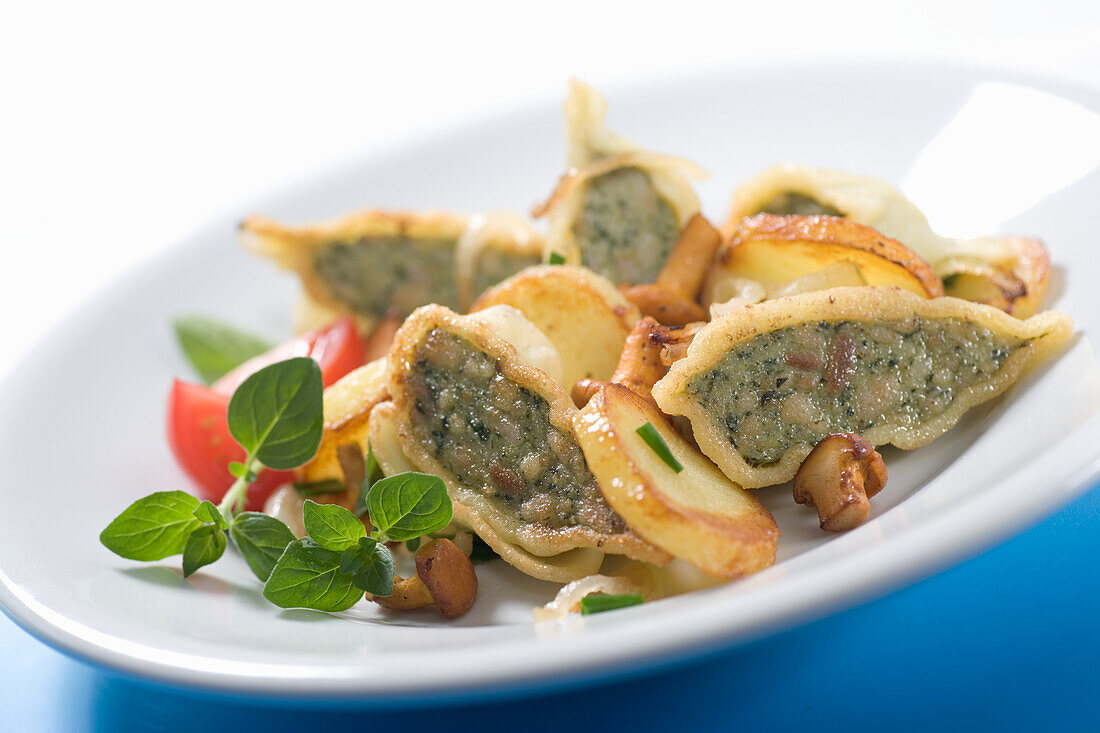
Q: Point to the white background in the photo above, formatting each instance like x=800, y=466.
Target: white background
x=123, y=126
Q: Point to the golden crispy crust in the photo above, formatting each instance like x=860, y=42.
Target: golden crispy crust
x=1010, y=273
x=1032, y=265
x=866, y=200
x=697, y=515
x=583, y=314
x=534, y=539
x=1042, y=333
x=1013, y=272
x=835, y=239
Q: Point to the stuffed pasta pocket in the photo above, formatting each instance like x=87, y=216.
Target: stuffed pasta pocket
x=765, y=383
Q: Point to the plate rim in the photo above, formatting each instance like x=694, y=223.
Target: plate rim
x=872, y=583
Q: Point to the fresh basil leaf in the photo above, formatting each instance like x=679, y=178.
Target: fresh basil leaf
x=373, y=567
x=213, y=348
x=261, y=540
x=599, y=603
x=317, y=488
x=408, y=505
x=153, y=527
x=371, y=475
x=209, y=513
x=308, y=576
x=413, y=545
x=352, y=560
x=331, y=526
x=205, y=545
x=276, y=414
x=556, y=259
x=658, y=445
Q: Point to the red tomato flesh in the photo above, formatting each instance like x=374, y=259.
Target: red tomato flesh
x=337, y=349
x=198, y=433
x=198, y=427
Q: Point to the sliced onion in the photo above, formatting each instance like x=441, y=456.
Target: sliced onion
x=286, y=506
x=729, y=294
x=837, y=275
x=569, y=597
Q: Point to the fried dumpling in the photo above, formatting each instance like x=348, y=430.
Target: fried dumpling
x=619, y=209
x=1009, y=273
x=764, y=383
x=696, y=513
x=562, y=567
x=773, y=250
x=470, y=407
x=378, y=262
x=583, y=314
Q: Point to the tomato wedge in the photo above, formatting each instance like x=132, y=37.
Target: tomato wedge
x=337, y=349
x=198, y=433
x=198, y=427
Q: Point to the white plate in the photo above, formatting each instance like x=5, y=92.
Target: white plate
x=81, y=421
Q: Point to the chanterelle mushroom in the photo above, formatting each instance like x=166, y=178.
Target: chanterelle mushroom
x=838, y=477
x=448, y=575
x=644, y=360
x=444, y=577
x=408, y=593
x=672, y=298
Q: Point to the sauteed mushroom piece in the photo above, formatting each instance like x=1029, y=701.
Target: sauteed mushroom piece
x=839, y=477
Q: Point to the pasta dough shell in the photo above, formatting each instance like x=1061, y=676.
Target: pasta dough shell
x=479, y=511
x=596, y=156
x=734, y=334
x=441, y=257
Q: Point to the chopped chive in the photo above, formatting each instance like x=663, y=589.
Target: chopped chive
x=316, y=488
x=600, y=603
x=654, y=440
x=556, y=259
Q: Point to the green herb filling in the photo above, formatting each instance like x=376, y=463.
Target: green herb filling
x=495, y=437
x=796, y=385
x=625, y=229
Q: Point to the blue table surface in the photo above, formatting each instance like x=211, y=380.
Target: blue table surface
x=1009, y=640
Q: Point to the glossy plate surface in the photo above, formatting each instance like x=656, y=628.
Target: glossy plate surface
x=81, y=421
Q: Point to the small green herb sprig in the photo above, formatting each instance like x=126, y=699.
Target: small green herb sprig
x=658, y=445
x=331, y=568
x=276, y=416
x=598, y=603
